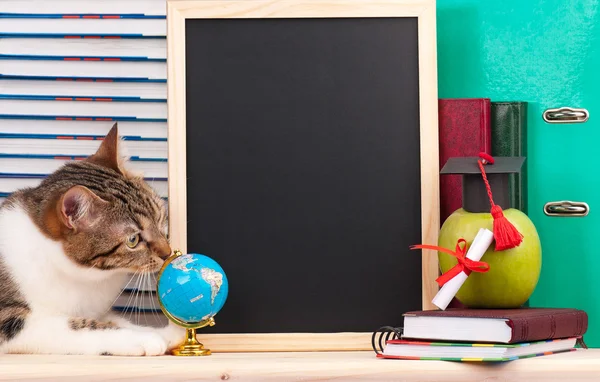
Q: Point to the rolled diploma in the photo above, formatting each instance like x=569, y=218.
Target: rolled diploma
x=480, y=244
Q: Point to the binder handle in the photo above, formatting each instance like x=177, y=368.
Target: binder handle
x=566, y=115
x=565, y=208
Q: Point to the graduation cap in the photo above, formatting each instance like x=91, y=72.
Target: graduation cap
x=485, y=189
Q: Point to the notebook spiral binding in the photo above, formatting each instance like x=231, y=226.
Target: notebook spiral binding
x=387, y=332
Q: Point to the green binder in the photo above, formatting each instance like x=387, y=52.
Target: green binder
x=509, y=138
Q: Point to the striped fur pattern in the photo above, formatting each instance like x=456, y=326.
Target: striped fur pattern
x=13, y=308
x=66, y=250
x=84, y=323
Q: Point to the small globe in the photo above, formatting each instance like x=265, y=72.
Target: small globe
x=192, y=288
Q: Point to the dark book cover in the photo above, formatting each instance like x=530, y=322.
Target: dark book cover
x=464, y=131
x=509, y=138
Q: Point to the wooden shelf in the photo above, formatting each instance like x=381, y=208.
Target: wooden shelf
x=582, y=365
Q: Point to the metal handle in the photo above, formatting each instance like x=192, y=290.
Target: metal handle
x=566, y=115
x=566, y=208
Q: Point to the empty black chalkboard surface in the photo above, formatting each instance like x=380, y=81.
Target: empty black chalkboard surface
x=303, y=169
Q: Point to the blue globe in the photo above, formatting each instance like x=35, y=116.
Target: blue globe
x=192, y=288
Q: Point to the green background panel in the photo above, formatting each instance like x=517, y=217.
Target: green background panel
x=548, y=54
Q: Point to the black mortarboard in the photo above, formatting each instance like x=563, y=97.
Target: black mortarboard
x=475, y=197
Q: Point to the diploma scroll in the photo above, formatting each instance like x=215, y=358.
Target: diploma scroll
x=480, y=244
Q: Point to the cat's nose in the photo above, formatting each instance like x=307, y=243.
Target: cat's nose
x=164, y=255
x=163, y=250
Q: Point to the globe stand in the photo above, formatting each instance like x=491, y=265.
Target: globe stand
x=191, y=346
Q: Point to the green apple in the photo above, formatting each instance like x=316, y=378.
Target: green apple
x=513, y=273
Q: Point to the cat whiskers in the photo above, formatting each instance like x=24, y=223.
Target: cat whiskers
x=136, y=305
x=142, y=306
x=148, y=295
x=111, y=306
x=130, y=300
x=119, y=295
x=152, y=304
x=143, y=293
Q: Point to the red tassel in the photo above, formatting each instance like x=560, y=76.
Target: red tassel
x=506, y=234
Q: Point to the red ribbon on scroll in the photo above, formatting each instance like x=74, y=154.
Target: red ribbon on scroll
x=464, y=263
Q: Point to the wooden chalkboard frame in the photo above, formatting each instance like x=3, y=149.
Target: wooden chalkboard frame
x=178, y=11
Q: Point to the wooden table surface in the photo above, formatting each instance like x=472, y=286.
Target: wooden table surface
x=582, y=365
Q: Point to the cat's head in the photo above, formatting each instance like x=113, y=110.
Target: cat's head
x=106, y=217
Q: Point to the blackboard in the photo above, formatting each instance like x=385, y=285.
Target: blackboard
x=303, y=173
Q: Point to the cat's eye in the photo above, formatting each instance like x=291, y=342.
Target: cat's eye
x=133, y=240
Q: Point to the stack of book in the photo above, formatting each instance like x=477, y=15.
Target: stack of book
x=492, y=335
x=70, y=69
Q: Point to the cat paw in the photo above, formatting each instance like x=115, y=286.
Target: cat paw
x=153, y=344
x=174, y=335
x=139, y=343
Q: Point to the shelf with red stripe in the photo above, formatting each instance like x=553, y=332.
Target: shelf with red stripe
x=73, y=157
x=77, y=58
x=83, y=26
x=80, y=137
x=80, y=36
x=37, y=97
x=32, y=164
x=57, y=8
x=80, y=118
x=79, y=16
x=82, y=79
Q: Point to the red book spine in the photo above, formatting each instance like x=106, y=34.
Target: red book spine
x=464, y=130
x=548, y=327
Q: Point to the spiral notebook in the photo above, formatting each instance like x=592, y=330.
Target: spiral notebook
x=474, y=352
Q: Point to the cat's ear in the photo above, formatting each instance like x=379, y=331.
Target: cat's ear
x=79, y=208
x=108, y=152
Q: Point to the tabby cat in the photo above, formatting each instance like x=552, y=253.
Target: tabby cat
x=67, y=248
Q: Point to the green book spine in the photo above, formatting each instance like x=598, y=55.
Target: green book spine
x=509, y=138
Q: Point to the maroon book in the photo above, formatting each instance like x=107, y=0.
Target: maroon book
x=496, y=325
x=464, y=131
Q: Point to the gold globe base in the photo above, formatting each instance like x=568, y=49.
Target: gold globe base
x=191, y=346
